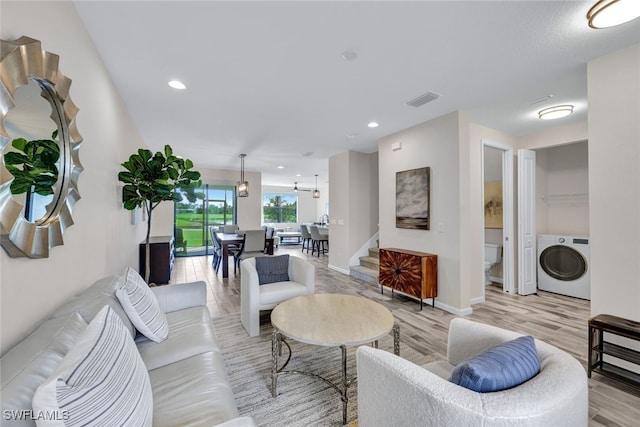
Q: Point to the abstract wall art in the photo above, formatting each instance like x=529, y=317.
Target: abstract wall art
x=412, y=198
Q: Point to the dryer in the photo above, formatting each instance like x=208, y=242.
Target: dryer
x=564, y=265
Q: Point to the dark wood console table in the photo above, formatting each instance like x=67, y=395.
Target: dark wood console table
x=598, y=347
x=413, y=273
x=161, y=255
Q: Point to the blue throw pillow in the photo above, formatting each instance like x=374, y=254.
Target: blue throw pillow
x=501, y=367
x=272, y=269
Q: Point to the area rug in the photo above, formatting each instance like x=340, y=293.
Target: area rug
x=301, y=400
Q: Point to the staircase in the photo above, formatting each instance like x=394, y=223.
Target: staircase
x=368, y=268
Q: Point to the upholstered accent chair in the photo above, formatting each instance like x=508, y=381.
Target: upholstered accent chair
x=394, y=391
x=255, y=297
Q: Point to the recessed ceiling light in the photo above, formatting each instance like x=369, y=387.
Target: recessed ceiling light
x=298, y=174
x=555, y=112
x=349, y=55
x=373, y=124
x=609, y=13
x=177, y=84
x=280, y=167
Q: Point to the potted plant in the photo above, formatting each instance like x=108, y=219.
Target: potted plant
x=150, y=179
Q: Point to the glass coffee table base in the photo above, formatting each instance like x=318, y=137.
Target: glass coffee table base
x=278, y=339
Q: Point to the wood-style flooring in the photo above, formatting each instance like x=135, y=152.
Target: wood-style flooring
x=556, y=319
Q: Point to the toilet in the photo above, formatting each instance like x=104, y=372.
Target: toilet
x=492, y=255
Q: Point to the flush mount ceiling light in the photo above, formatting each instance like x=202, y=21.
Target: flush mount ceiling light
x=373, y=124
x=177, y=84
x=280, y=167
x=316, y=192
x=609, y=13
x=243, y=186
x=555, y=112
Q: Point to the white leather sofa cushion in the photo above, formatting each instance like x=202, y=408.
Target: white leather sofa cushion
x=32, y=361
x=191, y=333
x=192, y=392
x=91, y=301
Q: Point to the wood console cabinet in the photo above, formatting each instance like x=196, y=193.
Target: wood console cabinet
x=413, y=273
x=161, y=253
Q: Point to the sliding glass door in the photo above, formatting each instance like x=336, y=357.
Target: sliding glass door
x=192, y=220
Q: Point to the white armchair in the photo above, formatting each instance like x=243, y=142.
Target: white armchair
x=394, y=391
x=255, y=297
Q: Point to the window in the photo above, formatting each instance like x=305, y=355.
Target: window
x=280, y=207
x=192, y=220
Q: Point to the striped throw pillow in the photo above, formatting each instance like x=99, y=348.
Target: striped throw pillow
x=142, y=307
x=101, y=381
x=501, y=367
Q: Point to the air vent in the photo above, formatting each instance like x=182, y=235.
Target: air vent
x=308, y=154
x=423, y=99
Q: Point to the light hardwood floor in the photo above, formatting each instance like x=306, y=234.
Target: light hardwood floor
x=556, y=319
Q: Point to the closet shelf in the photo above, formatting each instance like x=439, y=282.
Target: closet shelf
x=566, y=200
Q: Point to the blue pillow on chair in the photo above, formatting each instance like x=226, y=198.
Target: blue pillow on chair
x=272, y=269
x=501, y=367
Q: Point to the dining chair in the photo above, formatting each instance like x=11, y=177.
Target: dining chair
x=253, y=246
x=306, y=237
x=318, y=239
x=230, y=228
x=217, y=249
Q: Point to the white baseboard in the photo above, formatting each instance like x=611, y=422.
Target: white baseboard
x=477, y=300
x=460, y=312
x=440, y=305
x=339, y=270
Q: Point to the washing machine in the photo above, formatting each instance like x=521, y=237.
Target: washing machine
x=564, y=265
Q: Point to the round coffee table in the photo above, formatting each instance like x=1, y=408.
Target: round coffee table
x=330, y=320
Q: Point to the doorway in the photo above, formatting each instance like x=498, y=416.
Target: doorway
x=192, y=220
x=498, y=209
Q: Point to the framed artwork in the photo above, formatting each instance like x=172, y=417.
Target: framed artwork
x=412, y=199
x=493, y=204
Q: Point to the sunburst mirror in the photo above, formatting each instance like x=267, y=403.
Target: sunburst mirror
x=35, y=211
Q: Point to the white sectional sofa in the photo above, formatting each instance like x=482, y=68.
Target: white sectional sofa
x=186, y=371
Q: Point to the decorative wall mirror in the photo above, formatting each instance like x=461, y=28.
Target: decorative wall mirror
x=35, y=105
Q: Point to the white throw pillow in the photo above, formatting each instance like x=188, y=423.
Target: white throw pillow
x=101, y=381
x=142, y=307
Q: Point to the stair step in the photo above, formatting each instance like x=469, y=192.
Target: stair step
x=370, y=262
x=363, y=273
x=374, y=252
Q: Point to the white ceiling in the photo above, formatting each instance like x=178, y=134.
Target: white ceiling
x=268, y=78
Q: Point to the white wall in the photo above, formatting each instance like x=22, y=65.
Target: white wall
x=434, y=144
x=102, y=241
x=614, y=182
x=353, y=198
x=562, y=190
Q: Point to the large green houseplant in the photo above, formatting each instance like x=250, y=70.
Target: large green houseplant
x=151, y=179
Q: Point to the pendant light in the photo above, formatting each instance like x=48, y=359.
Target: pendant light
x=316, y=192
x=243, y=186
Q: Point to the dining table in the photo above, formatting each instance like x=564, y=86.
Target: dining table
x=227, y=239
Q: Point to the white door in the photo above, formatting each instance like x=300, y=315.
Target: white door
x=526, y=222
